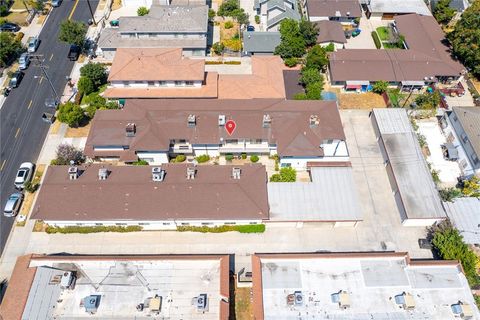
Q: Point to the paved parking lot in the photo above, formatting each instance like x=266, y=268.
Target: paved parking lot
x=380, y=230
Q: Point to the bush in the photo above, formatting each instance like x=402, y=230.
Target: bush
x=449, y=194
x=316, y=58
x=211, y=14
x=218, y=48
x=233, y=44
x=251, y=228
x=66, y=153
x=30, y=187
x=229, y=157
x=140, y=162
x=180, y=158
x=72, y=32
x=257, y=19
x=376, y=39
x=330, y=47
x=380, y=87
x=142, y=11
x=70, y=114
x=287, y=174
x=314, y=90
x=309, y=75
x=202, y=158
x=254, y=158
x=471, y=187
x=95, y=229
x=228, y=25
x=97, y=72
x=234, y=62
x=228, y=8
x=300, y=96
x=244, y=156
x=291, y=62
x=85, y=85
x=19, y=36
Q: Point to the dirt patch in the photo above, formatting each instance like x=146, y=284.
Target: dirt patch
x=19, y=18
x=226, y=34
x=30, y=197
x=55, y=127
x=117, y=4
x=39, y=226
x=18, y=5
x=80, y=132
x=243, y=303
x=41, y=19
x=476, y=83
x=367, y=100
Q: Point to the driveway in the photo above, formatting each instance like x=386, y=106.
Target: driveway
x=364, y=40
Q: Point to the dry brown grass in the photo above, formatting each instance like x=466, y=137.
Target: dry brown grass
x=78, y=132
x=367, y=100
x=243, y=304
x=41, y=19
x=30, y=197
x=55, y=127
x=39, y=226
x=19, y=18
x=117, y=4
x=226, y=34
x=476, y=83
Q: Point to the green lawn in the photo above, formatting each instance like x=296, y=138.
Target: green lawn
x=383, y=33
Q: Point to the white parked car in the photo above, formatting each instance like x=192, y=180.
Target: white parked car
x=24, y=175
x=12, y=207
x=23, y=61
x=33, y=44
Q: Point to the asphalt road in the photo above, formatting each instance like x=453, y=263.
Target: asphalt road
x=22, y=131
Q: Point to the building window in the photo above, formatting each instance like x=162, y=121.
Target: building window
x=475, y=159
x=231, y=141
x=256, y=141
x=138, y=82
x=178, y=83
x=185, y=224
x=230, y=223
x=120, y=224
x=464, y=137
x=253, y=223
x=143, y=224
x=166, y=223
x=99, y=224
x=151, y=83
x=162, y=83
x=176, y=35
x=189, y=83
x=152, y=35
x=207, y=223
x=79, y=224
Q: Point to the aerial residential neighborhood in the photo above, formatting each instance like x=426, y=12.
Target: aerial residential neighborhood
x=239, y=159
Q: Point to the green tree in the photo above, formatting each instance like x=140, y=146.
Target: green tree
x=309, y=31
x=291, y=62
x=292, y=44
x=309, y=75
x=380, y=87
x=287, y=174
x=317, y=58
x=442, y=12
x=70, y=114
x=227, y=8
x=465, y=39
x=97, y=72
x=218, y=48
x=142, y=11
x=330, y=47
x=314, y=90
x=9, y=49
x=72, y=32
x=38, y=5
x=211, y=14
x=85, y=85
x=449, y=194
x=240, y=16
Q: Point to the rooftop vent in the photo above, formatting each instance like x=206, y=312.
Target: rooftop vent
x=130, y=130
x=236, y=172
x=73, y=173
x=158, y=174
x=221, y=120
x=192, y=120
x=91, y=303
x=68, y=280
x=201, y=302
x=405, y=300
x=342, y=298
x=267, y=121
x=462, y=310
x=298, y=298
x=155, y=304
x=314, y=120
x=102, y=174
x=190, y=173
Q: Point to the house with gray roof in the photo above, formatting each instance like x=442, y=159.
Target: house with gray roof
x=273, y=12
x=461, y=126
x=171, y=26
x=464, y=214
x=260, y=43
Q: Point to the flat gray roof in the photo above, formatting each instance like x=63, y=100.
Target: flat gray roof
x=417, y=190
x=464, y=213
x=404, y=6
x=331, y=196
x=263, y=42
x=371, y=283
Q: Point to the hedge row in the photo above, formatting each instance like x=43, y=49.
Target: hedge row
x=376, y=39
x=250, y=228
x=223, y=62
x=95, y=229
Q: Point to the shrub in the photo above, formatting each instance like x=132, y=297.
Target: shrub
x=97, y=72
x=309, y=75
x=218, y=48
x=376, y=39
x=287, y=174
x=314, y=90
x=180, y=158
x=233, y=44
x=471, y=187
x=85, y=85
x=70, y=114
x=202, y=158
x=211, y=14
x=316, y=58
x=228, y=25
x=251, y=228
x=19, y=36
x=254, y=158
x=291, y=62
x=140, y=162
x=449, y=194
x=330, y=47
x=380, y=87
x=257, y=19
x=229, y=157
x=234, y=62
x=244, y=156
x=213, y=62
x=66, y=153
x=142, y=11
x=95, y=229
x=30, y=187
x=300, y=96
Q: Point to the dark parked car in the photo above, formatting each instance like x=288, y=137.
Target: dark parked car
x=9, y=27
x=56, y=3
x=424, y=244
x=250, y=28
x=74, y=52
x=16, y=79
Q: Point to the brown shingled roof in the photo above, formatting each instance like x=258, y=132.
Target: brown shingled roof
x=153, y=64
x=331, y=8
x=129, y=193
x=330, y=31
x=159, y=121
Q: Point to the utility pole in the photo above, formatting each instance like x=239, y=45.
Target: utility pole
x=91, y=12
x=39, y=63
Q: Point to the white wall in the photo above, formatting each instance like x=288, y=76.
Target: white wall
x=313, y=19
x=211, y=150
x=337, y=45
x=335, y=148
x=420, y=222
x=144, y=84
x=153, y=158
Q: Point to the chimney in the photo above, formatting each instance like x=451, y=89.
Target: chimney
x=221, y=120
x=267, y=120
x=73, y=173
x=130, y=130
x=236, y=172
x=102, y=174
x=192, y=120
x=190, y=173
x=158, y=174
x=314, y=121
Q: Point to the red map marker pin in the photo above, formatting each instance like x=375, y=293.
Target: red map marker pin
x=230, y=126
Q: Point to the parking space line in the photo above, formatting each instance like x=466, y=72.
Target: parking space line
x=16, y=134
x=30, y=104
x=50, y=57
x=73, y=10
x=41, y=79
x=3, y=165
